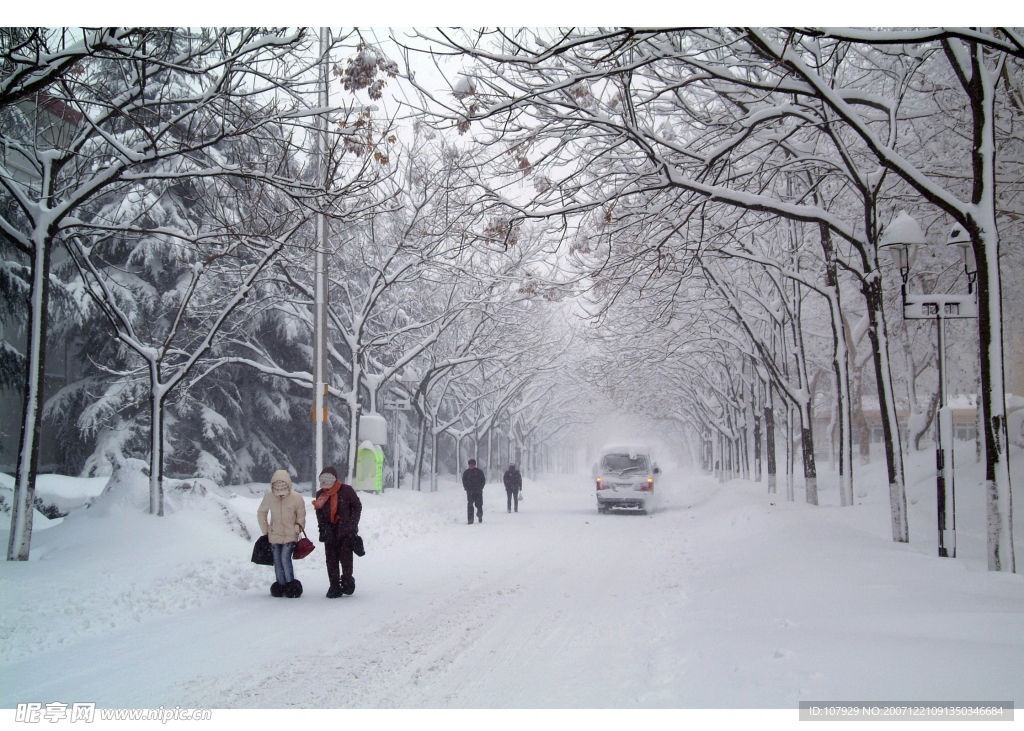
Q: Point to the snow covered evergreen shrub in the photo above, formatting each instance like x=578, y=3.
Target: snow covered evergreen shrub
x=108, y=453
x=128, y=489
x=50, y=511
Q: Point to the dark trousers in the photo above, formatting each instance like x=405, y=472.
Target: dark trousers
x=513, y=494
x=475, y=496
x=335, y=553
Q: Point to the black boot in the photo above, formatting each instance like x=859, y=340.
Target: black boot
x=334, y=592
x=276, y=589
x=293, y=589
x=348, y=585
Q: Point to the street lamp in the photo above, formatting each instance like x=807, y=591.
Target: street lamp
x=959, y=237
x=901, y=239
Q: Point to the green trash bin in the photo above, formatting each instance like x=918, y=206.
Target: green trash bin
x=369, y=468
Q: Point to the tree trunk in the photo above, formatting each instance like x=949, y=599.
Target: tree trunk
x=20, y=541
x=933, y=405
x=157, y=395
x=985, y=241
x=833, y=427
x=745, y=448
x=810, y=468
x=769, y=438
x=805, y=406
x=421, y=445
x=757, y=448
x=790, y=454
x=433, y=460
x=840, y=369
x=353, y=435
x=887, y=408
x=860, y=421
x=757, y=429
x=719, y=458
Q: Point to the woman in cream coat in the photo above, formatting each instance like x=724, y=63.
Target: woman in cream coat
x=287, y=518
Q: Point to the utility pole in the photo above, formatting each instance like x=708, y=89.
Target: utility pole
x=320, y=276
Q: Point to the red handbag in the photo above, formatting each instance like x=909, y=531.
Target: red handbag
x=304, y=547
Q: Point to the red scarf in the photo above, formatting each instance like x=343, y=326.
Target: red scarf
x=332, y=493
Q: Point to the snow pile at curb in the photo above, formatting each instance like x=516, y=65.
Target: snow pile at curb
x=39, y=521
x=63, y=493
x=111, y=563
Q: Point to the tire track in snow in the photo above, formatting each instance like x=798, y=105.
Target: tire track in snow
x=544, y=629
x=378, y=670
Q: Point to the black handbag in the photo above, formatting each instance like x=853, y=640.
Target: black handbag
x=357, y=545
x=262, y=553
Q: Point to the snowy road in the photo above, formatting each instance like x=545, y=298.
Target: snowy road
x=718, y=600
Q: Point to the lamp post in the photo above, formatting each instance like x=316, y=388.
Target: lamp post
x=901, y=238
x=320, y=281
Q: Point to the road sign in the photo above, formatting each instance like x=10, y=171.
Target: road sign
x=945, y=306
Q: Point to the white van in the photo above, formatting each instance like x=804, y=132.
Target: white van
x=626, y=477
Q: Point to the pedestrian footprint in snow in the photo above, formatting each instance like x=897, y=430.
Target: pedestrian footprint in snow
x=337, y=514
x=287, y=512
x=473, y=481
x=513, y=484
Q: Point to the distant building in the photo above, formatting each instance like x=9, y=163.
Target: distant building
x=964, y=417
x=965, y=407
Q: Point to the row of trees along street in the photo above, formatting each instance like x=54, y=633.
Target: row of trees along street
x=679, y=224
x=760, y=166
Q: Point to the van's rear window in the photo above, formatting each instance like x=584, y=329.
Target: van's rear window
x=620, y=462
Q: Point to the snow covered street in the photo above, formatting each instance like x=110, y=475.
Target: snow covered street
x=367, y=277
x=718, y=600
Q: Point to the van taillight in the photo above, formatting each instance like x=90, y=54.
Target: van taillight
x=649, y=485
x=599, y=485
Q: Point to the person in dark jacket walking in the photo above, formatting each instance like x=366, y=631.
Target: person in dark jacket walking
x=337, y=515
x=513, y=484
x=473, y=481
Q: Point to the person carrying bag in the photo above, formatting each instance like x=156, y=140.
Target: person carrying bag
x=287, y=511
x=337, y=515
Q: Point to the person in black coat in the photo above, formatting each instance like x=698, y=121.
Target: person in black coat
x=337, y=515
x=473, y=481
x=513, y=484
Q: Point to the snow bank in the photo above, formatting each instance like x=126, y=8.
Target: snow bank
x=113, y=564
x=39, y=520
x=64, y=493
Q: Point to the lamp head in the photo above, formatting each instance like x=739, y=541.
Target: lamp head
x=959, y=237
x=901, y=239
